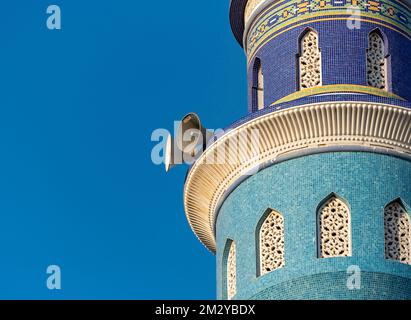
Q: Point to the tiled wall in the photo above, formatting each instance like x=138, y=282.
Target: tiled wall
x=343, y=58
x=295, y=188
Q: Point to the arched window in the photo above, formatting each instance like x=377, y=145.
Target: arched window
x=376, y=61
x=397, y=233
x=231, y=268
x=309, y=61
x=334, y=228
x=258, y=86
x=271, y=242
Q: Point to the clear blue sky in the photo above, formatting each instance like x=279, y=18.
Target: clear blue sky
x=77, y=109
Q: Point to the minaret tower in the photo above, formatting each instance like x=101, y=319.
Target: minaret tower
x=316, y=204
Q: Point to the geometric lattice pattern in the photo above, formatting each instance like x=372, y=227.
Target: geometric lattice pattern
x=272, y=243
x=231, y=272
x=310, y=61
x=397, y=233
x=334, y=229
x=376, y=61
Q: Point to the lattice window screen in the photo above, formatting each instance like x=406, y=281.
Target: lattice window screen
x=334, y=229
x=397, y=233
x=310, y=61
x=231, y=272
x=271, y=243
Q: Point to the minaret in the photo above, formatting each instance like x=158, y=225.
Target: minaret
x=307, y=196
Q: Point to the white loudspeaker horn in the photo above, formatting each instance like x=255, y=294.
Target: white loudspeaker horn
x=191, y=141
x=169, y=154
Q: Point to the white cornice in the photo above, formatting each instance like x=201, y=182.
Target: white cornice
x=286, y=134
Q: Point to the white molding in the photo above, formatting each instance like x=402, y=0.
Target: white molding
x=286, y=134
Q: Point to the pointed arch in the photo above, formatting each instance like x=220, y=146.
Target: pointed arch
x=270, y=243
x=397, y=232
x=310, y=69
x=334, y=228
x=377, y=60
x=257, y=86
x=230, y=268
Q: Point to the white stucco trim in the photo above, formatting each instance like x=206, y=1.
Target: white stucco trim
x=286, y=134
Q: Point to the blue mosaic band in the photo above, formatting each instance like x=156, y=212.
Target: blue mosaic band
x=285, y=15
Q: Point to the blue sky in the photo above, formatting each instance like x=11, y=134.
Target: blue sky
x=78, y=106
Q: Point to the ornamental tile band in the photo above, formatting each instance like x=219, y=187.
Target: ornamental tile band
x=283, y=14
x=336, y=88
